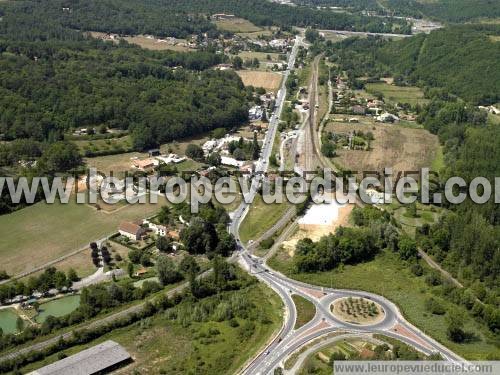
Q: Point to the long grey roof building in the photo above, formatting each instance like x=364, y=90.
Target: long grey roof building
x=98, y=359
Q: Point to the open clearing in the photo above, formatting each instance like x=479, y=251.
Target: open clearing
x=395, y=146
x=100, y=145
x=237, y=25
x=398, y=94
x=262, y=56
x=156, y=45
x=161, y=345
x=44, y=232
x=267, y=80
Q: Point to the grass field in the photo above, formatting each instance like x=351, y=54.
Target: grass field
x=155, y=45
x=425, y=215
x=118, y=164
x=387, y=275
x=160, y=345
x=305, y=310
x=262, y=56
x=123, y=143
x=397, y=94
x=398, y=147
x=41, y=233
x=237, y=25
x=267, y=80
x=260, y=218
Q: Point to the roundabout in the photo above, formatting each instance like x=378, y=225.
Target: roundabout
x=357, y=310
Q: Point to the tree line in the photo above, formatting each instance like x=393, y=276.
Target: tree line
x=463, y=60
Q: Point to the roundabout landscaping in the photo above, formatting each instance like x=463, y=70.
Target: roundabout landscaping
x=360, y=311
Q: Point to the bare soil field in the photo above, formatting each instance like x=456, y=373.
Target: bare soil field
x=267, y=80
x=401, y=148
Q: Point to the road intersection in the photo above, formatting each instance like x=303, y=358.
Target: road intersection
x=289, y=339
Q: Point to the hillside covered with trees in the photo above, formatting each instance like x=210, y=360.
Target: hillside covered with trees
x=53, y=79
x=455, y=11
x=463, y=60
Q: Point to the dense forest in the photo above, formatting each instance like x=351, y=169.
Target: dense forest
x=446, y=10
x=265, y=13
x=463, y=60
x=53, y=79
x=180, y=18
x=453, y=11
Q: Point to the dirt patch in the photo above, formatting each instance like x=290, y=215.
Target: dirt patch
x=267, y=80
x=397, y=147
x=357, y=311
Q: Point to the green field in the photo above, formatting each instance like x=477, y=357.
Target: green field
x=260, y=218
x=161, y=345
x=398, y=94
x=305, y=310
x=114, y=144
x=237, y=25
x=387, y=275
x=43, y=232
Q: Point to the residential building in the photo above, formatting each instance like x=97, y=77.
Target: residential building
x=131, y=230
x=145, y=165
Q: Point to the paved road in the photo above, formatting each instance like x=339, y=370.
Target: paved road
x=289, y=339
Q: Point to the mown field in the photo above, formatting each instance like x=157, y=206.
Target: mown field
x=43, y=232
x=260, y=218
x=389, y=276
x=397, y=94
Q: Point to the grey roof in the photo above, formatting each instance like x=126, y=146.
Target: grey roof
x=87, y=362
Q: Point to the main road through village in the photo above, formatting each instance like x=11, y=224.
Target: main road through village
x=289, y=340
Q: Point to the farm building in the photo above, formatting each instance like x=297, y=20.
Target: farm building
x=98, y=359
x=131, y=230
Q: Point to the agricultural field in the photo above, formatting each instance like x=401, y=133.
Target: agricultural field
x=398, y=147
x=398, y=94
x=118, y=164
x=147, y=43
x=267, y=80
x=156, y=45
x=44, y=232
x=261, y=56
x=237, y=25
x=389, y=276
x=89, y=147
x=160, y=344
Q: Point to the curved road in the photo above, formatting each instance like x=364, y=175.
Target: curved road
x=289, y=340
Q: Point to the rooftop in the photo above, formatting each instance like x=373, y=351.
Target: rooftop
x=89, y=361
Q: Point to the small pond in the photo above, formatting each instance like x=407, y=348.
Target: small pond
x=8, y=319
x=58, y=307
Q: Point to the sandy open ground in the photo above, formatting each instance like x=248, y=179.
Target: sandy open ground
x=267, y=80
